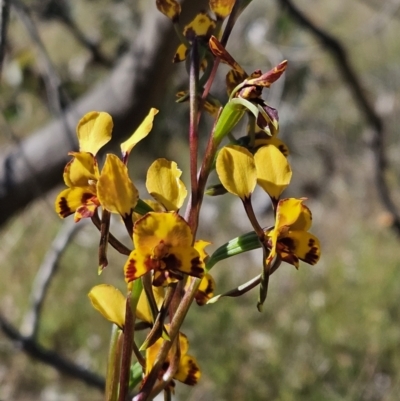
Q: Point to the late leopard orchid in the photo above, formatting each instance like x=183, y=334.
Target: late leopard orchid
x=163, y=241
x=82, y=172
x=290, y=238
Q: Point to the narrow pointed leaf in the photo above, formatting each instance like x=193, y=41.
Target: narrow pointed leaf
x=244, y=243
x=238, y=291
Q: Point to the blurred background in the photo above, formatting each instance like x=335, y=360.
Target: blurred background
x=327, y=332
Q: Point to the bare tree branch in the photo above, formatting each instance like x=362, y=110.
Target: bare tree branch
x=49, y=357
x=4, y=16
x=340, y=57
x=135, y=84
x=45, y=274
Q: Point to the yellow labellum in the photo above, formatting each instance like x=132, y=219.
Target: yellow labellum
x=115, y=190
x=142, y=131
x=273, y=170
x=110, y=302
x=237, y=171
x=94, y=131
x=164, y=184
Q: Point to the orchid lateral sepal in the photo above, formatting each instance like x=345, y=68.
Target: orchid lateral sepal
x=238, y=291
x=244, y=243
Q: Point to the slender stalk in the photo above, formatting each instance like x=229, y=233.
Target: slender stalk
x=104, y=233
x=126, y=352
x=248, y=207
x=118, y=246
x=193, y=128
x=166, y=346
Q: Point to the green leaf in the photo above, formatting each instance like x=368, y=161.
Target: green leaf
x=135, y=376
x=238, y=291
x=142, y=207
x=244, y=243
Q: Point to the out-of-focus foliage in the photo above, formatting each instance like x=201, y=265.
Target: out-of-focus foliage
x=328, y=332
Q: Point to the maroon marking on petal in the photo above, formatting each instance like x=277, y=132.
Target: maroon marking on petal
x=130, y=271
x=191, y=378
x=288, y=244
x=172, y=262
x=312, y=256
x=88, y=196
x=65, y=210
x=283, y=150
x=196, y=268
x=311, y=242
x=210, y=287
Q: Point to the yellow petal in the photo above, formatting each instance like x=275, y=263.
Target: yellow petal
x=144, y=128
x=110, y=302
x=221, y=8
x=94, y=131
x=180, y=54
x=169, y=8
x=151, y=354
x=188, y=371
x=115, y=190
x=237, y=171
x=156, y=227
x=143, y=309
x=206, y=290
x=202, y=25
x=164, y=184
x=138, y=264
x=300, y=245
x=273, y=170
x=184, y=259
x=69, y=200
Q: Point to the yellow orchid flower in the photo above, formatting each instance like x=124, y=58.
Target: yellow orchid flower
x=82, y=172
x=188, y=370
x=163, y=244
x=290, y=238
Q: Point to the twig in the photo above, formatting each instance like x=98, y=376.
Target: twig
x=57, y=99
x=45, y=274
x=50, y=357
x=340, y=57
x=4, y=17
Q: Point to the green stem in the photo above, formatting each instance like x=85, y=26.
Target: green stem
x=114, y=364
